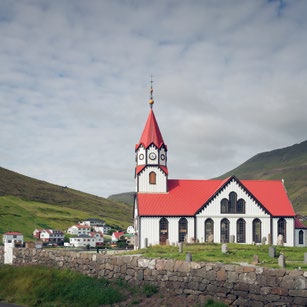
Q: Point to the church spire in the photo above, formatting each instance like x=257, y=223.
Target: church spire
x=151, y=156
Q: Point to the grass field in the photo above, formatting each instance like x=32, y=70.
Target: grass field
x=237, y=253
x=48, y=287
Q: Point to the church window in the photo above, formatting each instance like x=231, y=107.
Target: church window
x=163, y=231
x=232, y=202
x=224, y=231
x=281, y=228
x=183, y=229
x=232, y=205
x=241, y=231
x=256, y=231
x=152, y=178
x=301, y=237
x=224, y=205
x=209, y=224
x=241, y=206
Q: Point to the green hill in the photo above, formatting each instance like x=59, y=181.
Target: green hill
x=127, y=197
x=25, y=201
x=288, y=163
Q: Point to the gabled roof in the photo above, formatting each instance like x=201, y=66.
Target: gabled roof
x=298, y=224
x=118, y=234
x=13, y=233
x=151, y=133
x=187, y=197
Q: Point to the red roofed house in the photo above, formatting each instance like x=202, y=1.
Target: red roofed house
x=229, y=210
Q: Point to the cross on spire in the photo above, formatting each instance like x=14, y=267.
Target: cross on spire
x=151, y=101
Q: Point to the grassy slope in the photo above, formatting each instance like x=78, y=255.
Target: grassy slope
x=52, y=203
x=288, y=163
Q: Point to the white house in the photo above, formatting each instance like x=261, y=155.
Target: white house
x=49, y=235
x=116, y=235
x=92, y=222
x=230, y=210
x=79, y=230
x=93, y=239
x=82, y=241
x=13, y=236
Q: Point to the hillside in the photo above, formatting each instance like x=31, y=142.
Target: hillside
x=127, y=197
x=289, y=163
x=32, y=192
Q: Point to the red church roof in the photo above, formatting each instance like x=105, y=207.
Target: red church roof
x=151, y=133
x=298, y=224
x=187, y=197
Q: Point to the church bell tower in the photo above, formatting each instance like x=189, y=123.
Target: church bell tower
x=151, y=171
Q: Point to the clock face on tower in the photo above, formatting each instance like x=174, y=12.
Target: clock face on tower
x=141, y=156
x=152, y=156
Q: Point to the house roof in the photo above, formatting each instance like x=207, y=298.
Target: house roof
x=151, y=133
x=13, y=233
x=187, y=197
x=118, y=234
x=298, y=224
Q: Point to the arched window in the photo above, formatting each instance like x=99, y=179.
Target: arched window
x=224, y=231
x=282, y=229
x=232, y=205
x=241, y=231
x=224, y=205
x=152, y=178
x=183, y=229
x=232, y=202
x=163, y=231
x=241, y=206
x=256, y=231
x=209, y=226
x=301, y=237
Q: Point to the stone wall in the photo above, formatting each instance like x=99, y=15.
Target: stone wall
x=233, y=284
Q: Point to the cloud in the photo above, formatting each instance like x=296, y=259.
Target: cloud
x=229, y=82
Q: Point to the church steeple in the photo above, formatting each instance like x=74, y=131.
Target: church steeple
x=151, y=156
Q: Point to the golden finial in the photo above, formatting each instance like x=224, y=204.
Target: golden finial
x=151, y=101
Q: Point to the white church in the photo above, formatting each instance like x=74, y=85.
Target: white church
x=169, y=211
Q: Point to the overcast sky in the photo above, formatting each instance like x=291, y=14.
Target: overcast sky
x=230, y=81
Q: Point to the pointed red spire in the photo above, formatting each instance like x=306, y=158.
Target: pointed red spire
x=151, y=133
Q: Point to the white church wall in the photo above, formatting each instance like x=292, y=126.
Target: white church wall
x=149, y=228
x=145, y=186
x=289, y=231
x=252, y=211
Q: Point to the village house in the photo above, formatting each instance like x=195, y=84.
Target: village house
x=51, y=236
x=116, y=235
x=13, y=236
x=96, y=224
x=168, y=211
x=93, y=239
x=79, y=230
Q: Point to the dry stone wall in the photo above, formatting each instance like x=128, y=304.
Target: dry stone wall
x=232, y=284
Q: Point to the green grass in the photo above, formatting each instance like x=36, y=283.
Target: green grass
x=41, y=286
x=237, y=253
x=49, y=287
x=31, y=191
x=24, y=216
